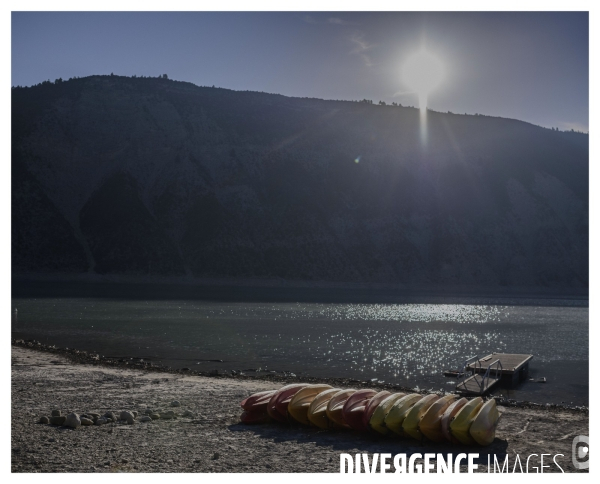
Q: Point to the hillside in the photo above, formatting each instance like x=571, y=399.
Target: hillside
x=146, y=176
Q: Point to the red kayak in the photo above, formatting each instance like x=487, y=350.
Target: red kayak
x=372, y=405
x=258, y=400
x=256, y=417
x=255, y=407
x=336, y=405
x=354, y=409
x=277, y=406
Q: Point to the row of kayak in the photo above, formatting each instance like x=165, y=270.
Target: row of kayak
x=434, y=417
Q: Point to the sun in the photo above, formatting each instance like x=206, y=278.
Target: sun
x=423, y=73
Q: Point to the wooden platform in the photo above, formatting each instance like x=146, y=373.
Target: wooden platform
x=514, y=369
x=472, y=385
x=511, y=363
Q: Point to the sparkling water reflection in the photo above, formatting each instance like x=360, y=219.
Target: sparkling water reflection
x=408, y=344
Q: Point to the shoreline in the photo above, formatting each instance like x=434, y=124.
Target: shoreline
x=206, y=434
x=280, y=290
x=90, y=358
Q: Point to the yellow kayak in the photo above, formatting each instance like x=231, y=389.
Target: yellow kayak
x=410, y=426
x=372, y=406
x=336, y=405
x=483, y=428
x=448, y=415
x=431, y=421
x=461, y=424
x=398, y=412
x=298, y=406
x=376, y=422
x=317, y=411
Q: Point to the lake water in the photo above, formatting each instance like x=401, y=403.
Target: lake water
x=408, y=344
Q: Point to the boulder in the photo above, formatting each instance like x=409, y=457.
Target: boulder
x=127, y=416
x=72, y=421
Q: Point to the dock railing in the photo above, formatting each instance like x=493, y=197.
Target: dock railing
x=473, y=366
x=487, y=372
x=466, y=373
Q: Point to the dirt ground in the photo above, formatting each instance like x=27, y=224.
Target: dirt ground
x=213, y=439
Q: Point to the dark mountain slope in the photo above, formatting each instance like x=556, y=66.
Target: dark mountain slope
x=151, y=176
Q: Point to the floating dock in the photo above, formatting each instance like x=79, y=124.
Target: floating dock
x=481, y=374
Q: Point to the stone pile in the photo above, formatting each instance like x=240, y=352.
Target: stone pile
x=129, y=417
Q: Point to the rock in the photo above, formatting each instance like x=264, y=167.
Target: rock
x=101, y=421
x=188, y=413
x=168, y=415
x=135, y=414
x=60, y=420
x=72, y=421
x=111, y=415
x=56, y=413
x=44, y=420
x=175, y=403
x=215, y=456
x=154, y=416
x=127, y=416
x=86, y=421
x=145, y=418
x=94, y=415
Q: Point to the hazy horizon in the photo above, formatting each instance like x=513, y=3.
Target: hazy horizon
x=530, y=66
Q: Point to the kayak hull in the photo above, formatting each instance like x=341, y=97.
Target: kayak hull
x=354, y=409
x=277, y=406
x=255, y=417
x=300, y=403
x=372, y=406
x=461, y=424
x=258, y=400
x=410, y=426
x=377, y=421
x=317, y=411
x=431, y=421
x=395, y=417
x=447, y=417
x=336, y=405
x=483, y=428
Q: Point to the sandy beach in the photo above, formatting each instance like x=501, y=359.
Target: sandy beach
x=210, y=438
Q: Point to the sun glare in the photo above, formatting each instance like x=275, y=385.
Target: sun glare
x=423, y=73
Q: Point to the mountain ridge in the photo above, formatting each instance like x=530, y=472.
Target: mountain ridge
x=118, y=175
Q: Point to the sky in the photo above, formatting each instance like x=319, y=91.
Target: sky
x=531, y=66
